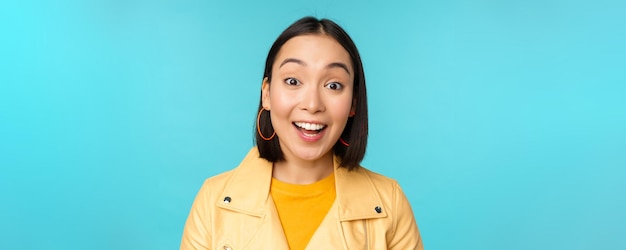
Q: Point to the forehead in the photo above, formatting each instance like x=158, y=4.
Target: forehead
x=314, y=49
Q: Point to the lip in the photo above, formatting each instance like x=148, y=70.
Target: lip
x=307, y=137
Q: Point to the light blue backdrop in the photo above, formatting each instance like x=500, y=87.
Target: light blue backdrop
x=504, y=121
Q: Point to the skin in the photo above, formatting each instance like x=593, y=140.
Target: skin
x=312, y=81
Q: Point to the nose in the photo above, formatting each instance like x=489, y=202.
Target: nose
x=312, y=100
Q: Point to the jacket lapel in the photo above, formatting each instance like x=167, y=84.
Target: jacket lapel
x=357, y=197
x=356, y=201
x=249, y=187
x=249, y=193
x=329, y=233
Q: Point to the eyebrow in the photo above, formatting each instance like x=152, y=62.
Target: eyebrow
x=331, y=65
x=339, y=65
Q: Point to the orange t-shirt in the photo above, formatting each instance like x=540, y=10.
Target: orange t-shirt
x=301, y=208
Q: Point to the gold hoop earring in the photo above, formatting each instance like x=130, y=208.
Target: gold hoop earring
x=258, y=127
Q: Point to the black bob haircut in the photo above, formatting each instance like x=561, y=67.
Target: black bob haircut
x=355, y=132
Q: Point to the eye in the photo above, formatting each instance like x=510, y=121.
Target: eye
x=334, y=86
x=292, y=81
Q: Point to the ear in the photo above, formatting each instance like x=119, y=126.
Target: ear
x=265, y=94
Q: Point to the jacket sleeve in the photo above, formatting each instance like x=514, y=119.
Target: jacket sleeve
x=197, y=232
x=405, y=235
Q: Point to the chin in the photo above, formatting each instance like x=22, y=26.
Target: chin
x=312, y=154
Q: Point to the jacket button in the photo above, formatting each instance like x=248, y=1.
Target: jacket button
x=227, y=248
x=378, y=209
x=227, y=199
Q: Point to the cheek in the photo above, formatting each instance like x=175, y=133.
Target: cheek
x=342, y=107
x=281, y=104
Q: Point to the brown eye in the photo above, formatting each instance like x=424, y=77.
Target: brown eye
x=292, y=81
x=334, y=86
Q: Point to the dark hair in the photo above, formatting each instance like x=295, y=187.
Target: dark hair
x=355, y=132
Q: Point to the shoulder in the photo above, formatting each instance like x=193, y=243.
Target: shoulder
x=389, y=189
x=379, y=180
x=220, y=179
x=251, y=167
x=213, y=186
x=366, y=185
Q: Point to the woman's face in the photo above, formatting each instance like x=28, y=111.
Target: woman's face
x=309, y=96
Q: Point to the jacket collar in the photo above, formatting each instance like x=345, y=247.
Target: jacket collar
x=249, y=190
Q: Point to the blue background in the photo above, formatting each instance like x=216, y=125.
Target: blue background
x=504, y=121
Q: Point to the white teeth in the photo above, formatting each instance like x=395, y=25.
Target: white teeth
x=309, y=126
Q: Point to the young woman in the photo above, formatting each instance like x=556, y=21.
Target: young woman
x=302, y=187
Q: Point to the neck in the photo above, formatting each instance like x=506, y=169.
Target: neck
x=303, y=172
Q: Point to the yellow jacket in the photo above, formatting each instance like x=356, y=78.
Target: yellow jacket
x=234, y=210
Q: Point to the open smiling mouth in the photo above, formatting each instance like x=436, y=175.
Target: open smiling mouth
x=309, y=129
